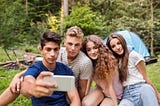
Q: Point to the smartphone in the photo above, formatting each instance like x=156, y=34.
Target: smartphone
x=64, y=83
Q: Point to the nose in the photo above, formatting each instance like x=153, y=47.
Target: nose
x=73, y=47
x=92, y=50
x=117, y=47
x=52, y=53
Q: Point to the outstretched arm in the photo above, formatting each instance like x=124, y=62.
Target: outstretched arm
x=7, y=97
x=37, y=87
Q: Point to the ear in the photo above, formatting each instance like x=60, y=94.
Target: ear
x=40, y=48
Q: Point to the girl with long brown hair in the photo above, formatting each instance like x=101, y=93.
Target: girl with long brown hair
x=138, y=88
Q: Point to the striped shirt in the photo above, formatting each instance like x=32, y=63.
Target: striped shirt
x=81, y=66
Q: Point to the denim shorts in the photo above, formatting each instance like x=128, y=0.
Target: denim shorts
x=140, y=94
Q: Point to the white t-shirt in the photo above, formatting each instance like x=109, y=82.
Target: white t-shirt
x=134, y=76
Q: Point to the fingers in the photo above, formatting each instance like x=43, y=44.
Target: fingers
x=42, y=91
x=15, y=85
x=44, y=88
x=18, y=86
x=15, y=88
x=44, y=74
x=37, y=87
x=42, y=83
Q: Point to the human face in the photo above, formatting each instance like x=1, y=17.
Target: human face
x=116, y=46
x=73, y=46
x=50, y=53
x=92, y=50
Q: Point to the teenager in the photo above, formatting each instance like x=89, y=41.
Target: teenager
x=108, y=91
x=138, y=88
x=71, y=56
x=49, y=48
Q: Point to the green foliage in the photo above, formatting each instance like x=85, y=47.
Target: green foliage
x=53, y=23
x=134, y=16
x=31, y=49
x=90, y=22
x=5, y=79
x=12, y=21
x=23, y=23
x=154, y=73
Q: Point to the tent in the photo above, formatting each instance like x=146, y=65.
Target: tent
x=134, y=42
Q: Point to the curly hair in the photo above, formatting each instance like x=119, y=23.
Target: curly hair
x=106, y=65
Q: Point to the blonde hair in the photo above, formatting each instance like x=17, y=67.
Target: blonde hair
x=75, y=31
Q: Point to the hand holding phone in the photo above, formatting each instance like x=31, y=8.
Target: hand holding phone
x=64, y=83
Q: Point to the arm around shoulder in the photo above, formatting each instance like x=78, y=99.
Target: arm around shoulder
x=7, y=97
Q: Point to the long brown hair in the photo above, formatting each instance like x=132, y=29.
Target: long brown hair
x=105, y=65
x=122, y=59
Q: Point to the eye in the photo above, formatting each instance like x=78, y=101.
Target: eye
x=48, y=49
x=77, y=45
x=70, y=44
x=95, y=47
x=56, y=49
x=118, y=43
x=88, y=49
x=112, y=46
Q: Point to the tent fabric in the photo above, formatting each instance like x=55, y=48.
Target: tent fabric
x=134, y=42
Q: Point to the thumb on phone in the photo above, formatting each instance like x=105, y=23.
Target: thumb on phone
x=44, y=74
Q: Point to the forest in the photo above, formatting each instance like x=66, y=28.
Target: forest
x=23, y=21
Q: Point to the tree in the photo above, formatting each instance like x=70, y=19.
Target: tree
x=12, y=23
x=91, y=22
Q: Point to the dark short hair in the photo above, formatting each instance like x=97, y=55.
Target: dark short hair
x=49, y=36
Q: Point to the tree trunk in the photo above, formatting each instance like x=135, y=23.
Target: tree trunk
x=152, y=25
x=64, y=12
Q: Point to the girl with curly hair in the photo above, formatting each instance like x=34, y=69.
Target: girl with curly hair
x=108, y=90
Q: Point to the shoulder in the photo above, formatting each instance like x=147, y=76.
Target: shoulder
x=64, y=68
x=83, y=58
x=84, y=62
x=59, y=64
x=37, y=64
x=134, y=54
x=62, y=49
x=35, y=69
x=135, y=57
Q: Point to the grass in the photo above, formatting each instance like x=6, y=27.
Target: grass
x=5, y=79
x=6, y=76
x=153, y=71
